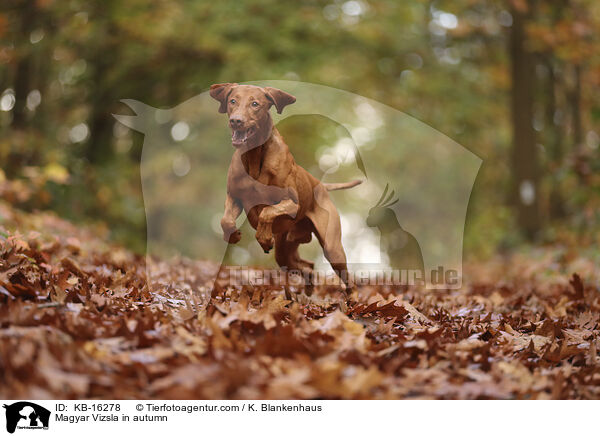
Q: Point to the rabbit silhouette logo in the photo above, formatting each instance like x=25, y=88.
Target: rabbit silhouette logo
x=26, y=415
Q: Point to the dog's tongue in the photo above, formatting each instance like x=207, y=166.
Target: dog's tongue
x=238, y=136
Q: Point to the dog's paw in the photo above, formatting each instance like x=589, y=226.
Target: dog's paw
x=266, y=243
x=233, y=238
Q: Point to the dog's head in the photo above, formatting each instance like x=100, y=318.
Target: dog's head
x=248, y=109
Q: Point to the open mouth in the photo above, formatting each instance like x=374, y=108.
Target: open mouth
x=241, y=136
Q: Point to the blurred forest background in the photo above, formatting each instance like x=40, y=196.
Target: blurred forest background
x=515, y=81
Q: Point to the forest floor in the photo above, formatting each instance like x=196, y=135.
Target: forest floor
x=78, y=320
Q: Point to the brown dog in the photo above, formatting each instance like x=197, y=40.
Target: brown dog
x=283, y=202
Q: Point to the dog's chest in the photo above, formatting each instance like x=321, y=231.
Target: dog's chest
x=255, y=186
x=243, y=184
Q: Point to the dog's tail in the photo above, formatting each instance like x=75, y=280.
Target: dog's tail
x=346, y=185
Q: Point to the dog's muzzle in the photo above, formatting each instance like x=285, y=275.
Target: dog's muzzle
x=240, y=136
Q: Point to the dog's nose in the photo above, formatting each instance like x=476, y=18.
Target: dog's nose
x=236, y=122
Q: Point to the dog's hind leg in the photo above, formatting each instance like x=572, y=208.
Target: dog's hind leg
x=287, y=257
x=328, y=231
x=301, y=233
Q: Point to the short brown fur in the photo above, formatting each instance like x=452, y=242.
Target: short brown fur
x=283, y=201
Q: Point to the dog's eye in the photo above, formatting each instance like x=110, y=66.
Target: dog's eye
x=254, y=104
x=232, y=101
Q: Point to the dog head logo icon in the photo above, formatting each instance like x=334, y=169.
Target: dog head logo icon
x=26, y=415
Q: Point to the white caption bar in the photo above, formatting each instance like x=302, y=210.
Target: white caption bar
x=264, y=418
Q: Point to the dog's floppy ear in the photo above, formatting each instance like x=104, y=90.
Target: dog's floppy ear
x=279, y=98
x=220, y=92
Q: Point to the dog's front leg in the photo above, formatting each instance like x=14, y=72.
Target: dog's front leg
x=231, y=234
x=264, y=230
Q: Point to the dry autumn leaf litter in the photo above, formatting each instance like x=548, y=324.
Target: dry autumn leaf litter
x=77, y=320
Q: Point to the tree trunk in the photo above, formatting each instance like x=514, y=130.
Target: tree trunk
x=524, y=159
x=23, y=70
x=553, y=138
x=99, y=148
x=576, y=108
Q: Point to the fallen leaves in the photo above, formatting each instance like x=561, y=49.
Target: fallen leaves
x=79, y=320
